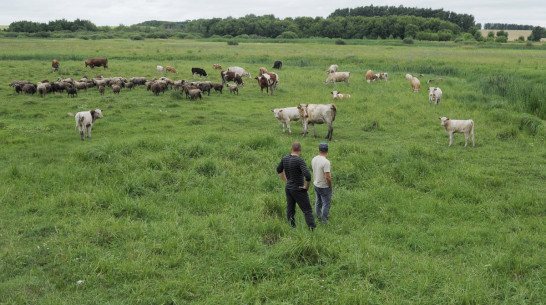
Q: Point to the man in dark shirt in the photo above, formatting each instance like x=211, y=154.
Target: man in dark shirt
x=293, y=170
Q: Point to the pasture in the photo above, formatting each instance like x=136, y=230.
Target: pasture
x=177, y=201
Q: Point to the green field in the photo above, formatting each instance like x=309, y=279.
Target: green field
x=177, y=202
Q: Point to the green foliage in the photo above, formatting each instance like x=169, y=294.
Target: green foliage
x=232, y=43
x=501, y=39
x=340, y=42
x=537, y=33
x=407, y=41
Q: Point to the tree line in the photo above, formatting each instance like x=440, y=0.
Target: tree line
x=342, y=24
x=52, y=26
x=505, y=26
x=464, y=21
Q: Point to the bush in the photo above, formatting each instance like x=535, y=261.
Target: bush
x=445, y=35
x=288, y=35
x=459, y=39
x=407, y=41
x=137, y=37
x=340, y=42
x=521, y=39
x=427, y=36
x=232, y=43
x=501, y=39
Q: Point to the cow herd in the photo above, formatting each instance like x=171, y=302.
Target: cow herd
x=308, y=113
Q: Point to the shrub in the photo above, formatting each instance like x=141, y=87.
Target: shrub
x=459, y=39
x=501, y=39
x=407, y=41
x=521, y=39
x=288, y=35
x=340, y=42
x=445, y=35
x=232, y=43
x=137, y=37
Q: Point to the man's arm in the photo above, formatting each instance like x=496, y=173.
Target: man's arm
x=328, y=179
x=283, y=176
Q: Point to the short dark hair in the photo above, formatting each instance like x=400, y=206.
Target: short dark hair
x=296, y=146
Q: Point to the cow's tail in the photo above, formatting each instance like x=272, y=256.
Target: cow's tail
x=334, y=111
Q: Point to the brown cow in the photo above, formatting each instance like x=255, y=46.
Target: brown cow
x=98, y=62
x=231, y=76
x=171, y=69
x=54, y=65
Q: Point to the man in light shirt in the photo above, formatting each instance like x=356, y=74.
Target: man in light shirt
x=322, y=182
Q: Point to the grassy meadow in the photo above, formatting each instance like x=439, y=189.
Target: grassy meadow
x=177, y=201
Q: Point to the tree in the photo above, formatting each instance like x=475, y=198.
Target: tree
x=537, y=33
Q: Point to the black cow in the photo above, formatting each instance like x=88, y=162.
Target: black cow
x=199, y=71
x=277, y=65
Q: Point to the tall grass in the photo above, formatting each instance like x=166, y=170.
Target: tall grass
x=177, y=201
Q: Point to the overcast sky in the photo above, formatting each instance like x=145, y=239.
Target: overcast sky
x=129, y=12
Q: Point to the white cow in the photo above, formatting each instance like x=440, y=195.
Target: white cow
x=239, y=71
x=85, y=120
x=332, y=69
x=318, y=114
x=434, y=95
x=458, y=126
x=339, y=95
x=159, y=69
x=285, y=115
x=338, y=77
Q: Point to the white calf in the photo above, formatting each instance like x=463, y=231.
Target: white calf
x=285, y=115
x=85, y=120
x=159, y=69
x=458, y=126
x=339, y=95
x=434, y=95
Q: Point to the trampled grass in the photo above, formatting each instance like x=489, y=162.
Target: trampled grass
x=175, y=201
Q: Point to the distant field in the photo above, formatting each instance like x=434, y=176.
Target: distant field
x=176, y=201
x=512, y=34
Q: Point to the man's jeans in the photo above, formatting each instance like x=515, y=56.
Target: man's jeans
x=323, y=203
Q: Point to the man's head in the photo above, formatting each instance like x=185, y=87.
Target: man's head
x=296, y=147
x=323, y=147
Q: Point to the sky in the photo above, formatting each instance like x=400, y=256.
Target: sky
x=129, y=12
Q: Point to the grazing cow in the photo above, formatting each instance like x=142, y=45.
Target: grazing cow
x=458, y=126
x=171, y=69
x=268, y=80
x=261, y=71
x=277, y=65
x=415, y=84
x=332, y=69
x=338, y=77
x=318, y=114
x=239, y=71
x=370, y=76
x=54, y=65
x=434, y=95
x=71, y=91
x=199, y=71
x=233, y=88
x=101, y=89
x=218, y=87
x=96, y=62
x=285, y=115
x=217, y=66
x=85, y=121
x=340, y=96
x=409, y=76
x=232, y=76
x=159, y=69
x=383, y=76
